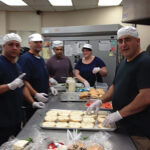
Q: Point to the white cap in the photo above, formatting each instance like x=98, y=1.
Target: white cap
x=11, y=37
x=128, y=30
x=88, y=46
x=35, y=37
x=57, y=43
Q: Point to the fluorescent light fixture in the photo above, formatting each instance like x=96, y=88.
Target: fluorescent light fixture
x=61, y=2
x=109, y=2
x=14, y=2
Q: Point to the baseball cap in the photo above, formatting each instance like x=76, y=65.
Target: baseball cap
x=128, y=30
x=57, y=43
x=35, y=37
x=88, y=46
x=11, y=37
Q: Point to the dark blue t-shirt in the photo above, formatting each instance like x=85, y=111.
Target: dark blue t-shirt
x=130, y=77
x=36, y=72
x=10, y=101
x=86, y=69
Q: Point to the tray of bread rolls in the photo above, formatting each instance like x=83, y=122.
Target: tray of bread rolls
x=75, y=119
x=82, y=96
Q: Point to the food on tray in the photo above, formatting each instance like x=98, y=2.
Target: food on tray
x=84, y=95
x=100, y=119
x=107, y=105
x=90, y=116
x=50, y=118
x=95, y=147
x=64, y=112
x=87, y=125
x=92, y=93
x=77, y=146
x=104, y=127
x=63, y=118
x=74, y=124
x=52, y=112
x=74, y=113
x=88, y=120
x=62, y=124
x=20, y=144
x=48, y=124
x=76, y=118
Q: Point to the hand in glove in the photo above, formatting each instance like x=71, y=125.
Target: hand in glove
x=41, y=97
x=38, y=105
x=111, y=118
x=17, y=83
x=96, y=70
x=54, y=91
x=53, y=81
x=94, y=107
x=86, y=84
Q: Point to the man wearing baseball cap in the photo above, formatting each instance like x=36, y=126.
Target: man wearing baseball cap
x=130, y=91
x=11, y=88
x=36, y=79
x=59, y=65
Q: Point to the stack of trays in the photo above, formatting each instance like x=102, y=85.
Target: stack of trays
x=70, y=119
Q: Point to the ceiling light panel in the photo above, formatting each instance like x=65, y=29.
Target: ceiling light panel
x=61, y=2
x=14, y=2
x=109, y=2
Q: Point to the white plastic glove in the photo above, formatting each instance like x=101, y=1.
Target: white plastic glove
x=17, y=83
x=94, y=107
x=53, y=81
x=111, y=118
x=86, y=84
x=54, y=91
x=41, y=97
x=96, y=70
x=38, y=105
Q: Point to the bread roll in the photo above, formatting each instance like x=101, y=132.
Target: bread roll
x=48, y=124
x=50, y=118
x=95, y=147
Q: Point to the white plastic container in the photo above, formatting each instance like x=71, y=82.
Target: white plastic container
x=71, y=84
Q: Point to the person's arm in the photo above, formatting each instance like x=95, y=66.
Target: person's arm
x=108, y=95
x=27, y=95
x=140, y=102
x=103, y=71
x=32, y=91
x=4, y=88
x=79, y=77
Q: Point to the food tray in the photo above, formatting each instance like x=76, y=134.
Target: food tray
x=60, y=87
x=112, y=128
x=71, y=97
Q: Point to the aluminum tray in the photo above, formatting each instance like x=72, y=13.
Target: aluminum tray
x=113, y=126
x=71, y=97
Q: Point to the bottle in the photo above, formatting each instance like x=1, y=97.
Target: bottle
x=71, y=84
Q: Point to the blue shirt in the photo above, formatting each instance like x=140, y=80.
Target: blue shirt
x=10, y=101
x=36, y=72
x=86, y=69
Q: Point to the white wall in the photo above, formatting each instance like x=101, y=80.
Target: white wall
x=31, y=22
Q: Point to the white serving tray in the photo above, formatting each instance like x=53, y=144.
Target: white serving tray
x=113, y=126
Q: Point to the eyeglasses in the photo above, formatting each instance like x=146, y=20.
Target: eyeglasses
x=127, y=39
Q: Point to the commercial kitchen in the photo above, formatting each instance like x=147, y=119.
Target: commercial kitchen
x=83, y=25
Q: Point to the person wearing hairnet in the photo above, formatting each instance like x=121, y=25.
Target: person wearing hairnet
x=11, y=88
x=130, y=91
x=87, y=68
x=36, y=79
x=59, y=66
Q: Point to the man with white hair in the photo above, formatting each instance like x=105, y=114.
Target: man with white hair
x=36, y=79
x=59, y=66
x=130, y=91
x=11, y=88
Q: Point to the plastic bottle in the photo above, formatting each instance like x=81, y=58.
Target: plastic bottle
x=71, y=84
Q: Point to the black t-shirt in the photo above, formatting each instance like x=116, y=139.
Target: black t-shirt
x=129, y=79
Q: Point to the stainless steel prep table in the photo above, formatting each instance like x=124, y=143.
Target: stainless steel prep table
x=117, y=140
